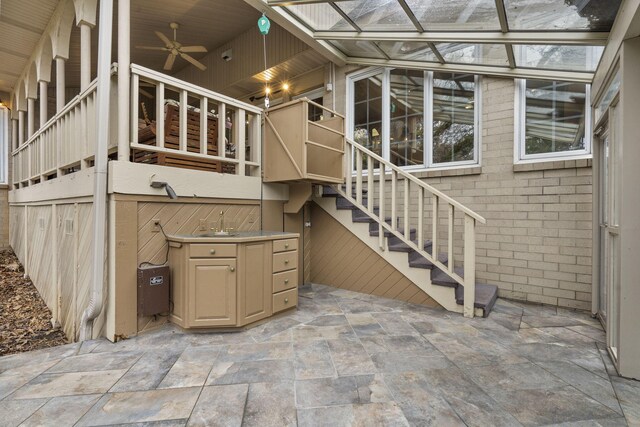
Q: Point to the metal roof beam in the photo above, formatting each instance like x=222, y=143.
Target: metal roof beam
x=584, y=38
x=486, y=70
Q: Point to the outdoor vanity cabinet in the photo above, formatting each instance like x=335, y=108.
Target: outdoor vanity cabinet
x=232, y=281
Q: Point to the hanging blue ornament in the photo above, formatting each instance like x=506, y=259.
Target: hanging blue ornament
x=264, y=25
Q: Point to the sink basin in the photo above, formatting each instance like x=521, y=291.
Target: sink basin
x=211, y=234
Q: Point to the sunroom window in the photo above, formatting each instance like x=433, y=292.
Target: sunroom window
x=553, y=120
x=416, y=119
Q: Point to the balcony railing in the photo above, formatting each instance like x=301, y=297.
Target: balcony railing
x=63, y=144
x=173, y=123
x=176, y=123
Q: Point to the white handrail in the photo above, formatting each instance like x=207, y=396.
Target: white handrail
x=178, y=84
x=366, y=156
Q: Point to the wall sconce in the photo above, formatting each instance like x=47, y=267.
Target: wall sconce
x=159, y=184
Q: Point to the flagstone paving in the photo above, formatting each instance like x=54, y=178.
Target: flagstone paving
x=341, y=359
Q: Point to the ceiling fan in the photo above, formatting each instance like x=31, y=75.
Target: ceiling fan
x=176, y=49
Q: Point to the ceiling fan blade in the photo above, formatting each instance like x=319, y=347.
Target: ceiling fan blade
x=164, y=38
x=194, y=61
x=151, y=48
x=168, y=65
x=193, y=49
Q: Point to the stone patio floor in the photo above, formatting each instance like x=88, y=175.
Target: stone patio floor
x=342, y=359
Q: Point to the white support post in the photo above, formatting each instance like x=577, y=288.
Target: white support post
x=451, y=219
x=160, y=115
x=407, y=231
x=20, y=128
x=240, y=137
x=182, y=131
x=358, y=176
x=203, y=125
x=381, y=208
x=421, y=218
x=124, y=79
x=31, y=117
x=394, y=203
x=222, y=130
x=44, y=104
x=85, y=55
x=256, y=145
x=15, y=143
x=123, y=147
x=348, y=169
x=60, y=84
x=469, y=265
x=370, y=184
x=436, y=223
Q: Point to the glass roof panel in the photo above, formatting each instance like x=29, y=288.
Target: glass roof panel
x=410, y=51
x=320, y=17
x=594, y=15
x=558, y=57
x=358, y=48
x=484, y=54
x=377, y=15
x=452, y=15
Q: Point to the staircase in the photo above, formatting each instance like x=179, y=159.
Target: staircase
x=396, y=229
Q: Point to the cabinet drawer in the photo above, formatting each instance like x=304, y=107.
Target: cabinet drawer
x=285, y=261
x=212, y=250
x=285, y=300
x=285, y=245
x=285, y=280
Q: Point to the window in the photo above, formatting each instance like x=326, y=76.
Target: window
x=553, y=121
x=454, y=135
x=416, y=119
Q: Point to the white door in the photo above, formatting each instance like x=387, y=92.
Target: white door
x=609, y=230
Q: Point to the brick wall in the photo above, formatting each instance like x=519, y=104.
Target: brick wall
x=536, y=245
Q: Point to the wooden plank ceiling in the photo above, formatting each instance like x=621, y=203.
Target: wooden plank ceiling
x=210, y=23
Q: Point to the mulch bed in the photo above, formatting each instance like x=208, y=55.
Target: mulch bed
x=25, y=320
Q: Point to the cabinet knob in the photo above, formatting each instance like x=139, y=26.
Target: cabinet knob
x=286, y=245
x=232, y=269
x=286, y=281
x=212, y=251
x=286, y=261
x=286, y=300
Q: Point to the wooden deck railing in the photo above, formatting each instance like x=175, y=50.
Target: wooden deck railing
x=237, y=143
x=365, y=174
x=65, y=141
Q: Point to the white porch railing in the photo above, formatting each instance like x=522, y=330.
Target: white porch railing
x=423, y=223
x=67, y=140
x=238, y=123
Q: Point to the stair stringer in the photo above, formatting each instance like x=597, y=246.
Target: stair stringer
x=443, y=295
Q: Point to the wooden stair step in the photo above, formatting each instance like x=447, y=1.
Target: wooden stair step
x=439, y=277
x=486, y=296
x=418, y=261
x=342, y=203
x=329, y=191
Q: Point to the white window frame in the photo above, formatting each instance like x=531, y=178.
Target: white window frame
x=428, y=163
x=477, y=127
x=520, y=130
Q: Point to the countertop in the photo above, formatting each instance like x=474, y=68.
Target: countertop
x=239, y=237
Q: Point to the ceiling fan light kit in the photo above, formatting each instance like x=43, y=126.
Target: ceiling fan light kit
x=175, y=49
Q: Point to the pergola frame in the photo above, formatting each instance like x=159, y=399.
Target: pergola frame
x=503, y=36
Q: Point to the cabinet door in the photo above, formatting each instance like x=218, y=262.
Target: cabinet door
x=212, y=292
x=254, y=282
